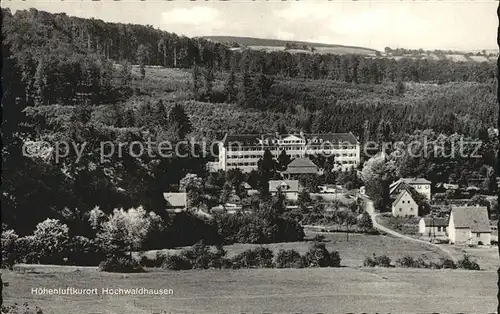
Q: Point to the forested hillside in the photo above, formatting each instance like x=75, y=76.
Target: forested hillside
x=87, y=81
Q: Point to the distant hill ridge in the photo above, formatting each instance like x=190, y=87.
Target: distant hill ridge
x=267, y=42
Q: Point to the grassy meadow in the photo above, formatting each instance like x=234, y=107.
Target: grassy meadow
x=339, y=290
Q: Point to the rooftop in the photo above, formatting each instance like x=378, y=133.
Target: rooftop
x=284, y=185
x=473, y=217
x=255, y=139
x=438, y=222
x=175, y=199
x=302, y=165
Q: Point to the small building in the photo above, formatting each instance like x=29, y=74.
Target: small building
x=469, y=225
x=300, y=166
x=234, y=201
x=290, y=188
x=176, y=201
x=433, y=226
x=404, y=205
x=420, y=185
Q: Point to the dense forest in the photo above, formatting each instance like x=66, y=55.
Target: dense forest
x=87, y=81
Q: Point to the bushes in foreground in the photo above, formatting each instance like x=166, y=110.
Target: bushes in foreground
x=381, y=261
x=201, y=257
x=408, y=261
x=120, y=264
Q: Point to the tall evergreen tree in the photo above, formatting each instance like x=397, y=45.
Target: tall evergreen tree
x=180, y=119
x=230, y=88
x=196, y=81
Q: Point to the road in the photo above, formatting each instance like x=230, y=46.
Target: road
x=370, y=209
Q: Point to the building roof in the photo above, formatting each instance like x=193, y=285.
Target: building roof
x=256, y=139
x=473, y=217
x=301, y=165
x=284, y=185
x=438, y=222
x=400, y=195
x=176, y=199
x=410, y=181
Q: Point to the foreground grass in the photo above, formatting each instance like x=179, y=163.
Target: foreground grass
x=327, y=290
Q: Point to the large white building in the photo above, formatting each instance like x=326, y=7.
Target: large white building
x=244, y=151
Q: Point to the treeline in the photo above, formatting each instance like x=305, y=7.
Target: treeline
x=33, y=29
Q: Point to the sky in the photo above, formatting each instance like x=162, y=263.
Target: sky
x=468, y=25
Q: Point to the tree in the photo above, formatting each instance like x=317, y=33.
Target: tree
x=142, y=56
x=50, y=239
x=179, y=119
x=196, y=81
x=378, y=172
x=230, y=88
x=125, y=231
x=365, y=222
x=193, y=186
x=266, y=168
x=209, y=82
x=283, y=160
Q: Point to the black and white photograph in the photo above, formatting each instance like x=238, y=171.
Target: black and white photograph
x=304, y=156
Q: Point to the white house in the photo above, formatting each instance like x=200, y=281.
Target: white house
x=433, y=226
x=469, y=225
x=404, y=205
x=420, y=185
x=175, y=201
x=290, y=188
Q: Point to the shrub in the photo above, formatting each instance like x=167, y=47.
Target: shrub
x=254, y=258
x=467, y=263
x=27, y=252
x=120, y=264
x=381, y=261
x=83, y=251
x=24, y=309
x=318, y=256
x=176, y=262
x=50, y=241
x=289, y=259
x=9, y=248
x=148, y=262
x=447, y=263
x=199, y=255
x=405, y=261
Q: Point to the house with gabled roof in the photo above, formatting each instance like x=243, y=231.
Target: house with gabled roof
x=469, y=225
x=300, y=166
x=420, y=185
x=290, y=188
x=404, y=205
x=175, y=201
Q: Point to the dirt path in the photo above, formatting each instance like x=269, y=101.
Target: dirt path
x=370, y=209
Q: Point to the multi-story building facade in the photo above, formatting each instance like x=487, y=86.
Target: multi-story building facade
x=244, y=151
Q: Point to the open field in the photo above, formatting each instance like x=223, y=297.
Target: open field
x=325, y=290
x=352, y=251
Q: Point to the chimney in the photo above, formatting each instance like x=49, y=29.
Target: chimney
x=301, y=134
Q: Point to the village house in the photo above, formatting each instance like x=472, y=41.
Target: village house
x=469, y=225
x=176, y=201
x=300, y=166
x=431, y=227
x=404, y=205
x=290, y=188
x=420, y=185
